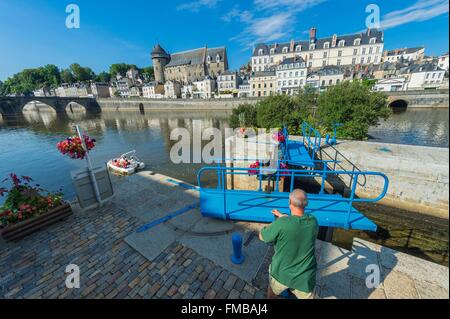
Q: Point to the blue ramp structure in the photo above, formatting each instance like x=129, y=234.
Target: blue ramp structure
x=302, y=153
x=331, y=210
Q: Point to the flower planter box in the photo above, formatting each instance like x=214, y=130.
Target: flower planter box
x=20, y=230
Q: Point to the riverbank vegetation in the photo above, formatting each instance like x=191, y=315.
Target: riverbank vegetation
x=352, y=104
x=50, y=76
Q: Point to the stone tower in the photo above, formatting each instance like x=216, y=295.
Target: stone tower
x=160, y=59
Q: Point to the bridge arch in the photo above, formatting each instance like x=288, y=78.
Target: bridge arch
x=75, y=107
x=399, y=104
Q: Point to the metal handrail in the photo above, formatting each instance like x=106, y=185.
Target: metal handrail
x=224, y=171
x=337, y=163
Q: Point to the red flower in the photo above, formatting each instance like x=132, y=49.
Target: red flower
x=254, y=171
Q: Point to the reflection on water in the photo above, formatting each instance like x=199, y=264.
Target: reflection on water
x=426, y=127
x=30, y=139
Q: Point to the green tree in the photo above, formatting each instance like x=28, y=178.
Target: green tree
x=243, y=116
x=103, y=77
x=278, y=111
x=67, y=76
x=147, y=73
x=2, y=89
x=353, y=105
x=120, y=68
x=82, y=74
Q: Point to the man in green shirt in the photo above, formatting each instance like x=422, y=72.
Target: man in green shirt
x=294, y=237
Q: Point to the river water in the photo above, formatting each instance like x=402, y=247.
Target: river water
x=28, y=143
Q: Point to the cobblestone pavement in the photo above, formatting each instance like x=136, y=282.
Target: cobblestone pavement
x=35, y=267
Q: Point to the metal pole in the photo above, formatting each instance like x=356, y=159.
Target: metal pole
x=89, y=166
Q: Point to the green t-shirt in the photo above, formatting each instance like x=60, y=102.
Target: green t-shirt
x=294, y=263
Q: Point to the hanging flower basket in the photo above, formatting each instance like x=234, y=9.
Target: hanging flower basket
x=73, y=146
x=279, y=137
x=29, y=208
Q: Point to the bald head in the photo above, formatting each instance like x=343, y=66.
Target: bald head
x=299, y=199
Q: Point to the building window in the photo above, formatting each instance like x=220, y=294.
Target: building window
x=298, y=48
x=312, y=46
x=364, y=51
x=357, y=42
x=340, y=53
x=370, y=50
x=326, y=45
x=338, y=62
x=325, y=54
x=341, y=43
x=323, y=82
x=378, y=50
x=271, y=60
x=362, y=60
x=272, y=51
x=260, y=52
x=324, y=63
x=338, y=81
x=218, y=58
x=310, y=64
x=285, y=50
x=355, y=51
x=330, y=82
x=373, y=40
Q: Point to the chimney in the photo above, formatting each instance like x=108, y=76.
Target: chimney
x=313, y=35
x=292, y=45
x=368, y=32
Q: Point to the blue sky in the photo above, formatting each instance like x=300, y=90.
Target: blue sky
x=33, y=33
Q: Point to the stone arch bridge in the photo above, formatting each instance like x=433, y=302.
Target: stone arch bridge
x=422, y=98
x=15, y=105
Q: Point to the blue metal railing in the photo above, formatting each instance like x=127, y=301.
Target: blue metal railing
x=312, y=139
x=223, y=172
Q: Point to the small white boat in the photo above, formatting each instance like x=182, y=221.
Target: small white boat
x=126, y=164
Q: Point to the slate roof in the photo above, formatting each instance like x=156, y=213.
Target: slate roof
x=403, y=51
x=196, y=56
x=426, y=67
x=349, y=40
x=292, y=60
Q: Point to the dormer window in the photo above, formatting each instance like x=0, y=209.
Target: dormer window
x=357, y=42
x=285, y=50
x=373, y=40
x=208, y=59
x=312, y=46
x=326, y=45
x=272, y=51
x=341, y=43
x=217, y=58
x=298, y=48
x=260, y=52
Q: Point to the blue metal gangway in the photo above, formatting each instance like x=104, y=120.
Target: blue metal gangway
x=331, y=210
x=302, y=153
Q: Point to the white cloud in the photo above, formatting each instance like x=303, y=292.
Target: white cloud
x=420, y=11
x=198, y=4
x=260, y=27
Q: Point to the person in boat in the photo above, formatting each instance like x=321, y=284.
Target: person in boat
x=294, y=236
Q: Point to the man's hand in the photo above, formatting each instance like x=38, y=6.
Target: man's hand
x=278, y=214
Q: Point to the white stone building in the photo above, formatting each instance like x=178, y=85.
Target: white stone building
x=153, y=90
x=172, y=90
x=421, y=76
x=228, y=84
x=404, y=55
x=325, y=77
x=391, y=85
x=204, y=89
x=244, y=88
x=291, y=75
x=360, y=48
x=443, y=61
